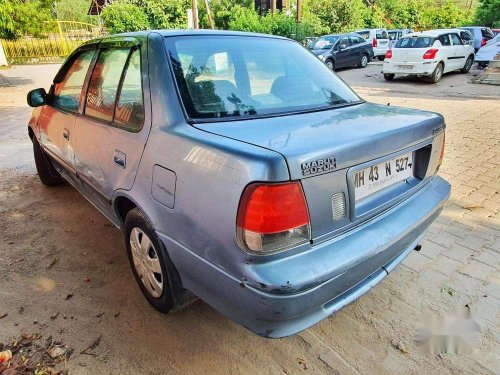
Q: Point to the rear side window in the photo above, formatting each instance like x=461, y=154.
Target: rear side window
x=445, y=40
x=465, y=36
x=104, y=83
x=414, y=42
x=130, y=106
x=382, y=34
x=66, y=94
x=455, y=39
x=356, y=40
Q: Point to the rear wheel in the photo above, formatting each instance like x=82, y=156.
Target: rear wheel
x=330, y=64
x=468, y=65
x=388, y=76
x=46, y=171
x=363, y=62
x=149, y=261
x=437, y=74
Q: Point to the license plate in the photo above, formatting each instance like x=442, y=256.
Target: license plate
x=405, y=67
x=377, y=177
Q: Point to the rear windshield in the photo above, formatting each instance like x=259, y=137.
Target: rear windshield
x=325, y=42
x=382, y=34
x=364, y=33
x=239, y=76
x=487, y=33
x=415, y=42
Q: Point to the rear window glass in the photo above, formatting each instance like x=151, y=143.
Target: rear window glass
x=232, y=76
x=414, y=42
x=487, y=33
x=325, y=42
x=382, y=34
x=364, y=33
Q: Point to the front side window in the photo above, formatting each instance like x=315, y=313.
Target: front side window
x=129, y=111
x=66, y=94
x=344, y=42
x=233, y=76
x=104, y=83
x=466, y=36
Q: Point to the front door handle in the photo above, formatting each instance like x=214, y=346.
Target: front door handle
x=66, y=134
x=120, y=158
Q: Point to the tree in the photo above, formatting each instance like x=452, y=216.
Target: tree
x=165, y=14
x=488, y=13
x=121, y=16
x=7, y=26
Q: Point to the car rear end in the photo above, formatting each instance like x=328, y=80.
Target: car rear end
x=415, y=54
x=361, y=186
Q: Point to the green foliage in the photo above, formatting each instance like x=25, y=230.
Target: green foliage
x=165, y=14
x=26, y=17
x=7, y=26
x=73, y=10
x=338, y=16
x=122, y=16
x=488, y=13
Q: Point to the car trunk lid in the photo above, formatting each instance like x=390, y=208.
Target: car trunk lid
x=321, y=147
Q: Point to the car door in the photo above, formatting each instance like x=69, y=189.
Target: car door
x=111, y=132
x=447, y=52
x=357, y=48
x=343, y=52
x=461, y=51
x=57, y=119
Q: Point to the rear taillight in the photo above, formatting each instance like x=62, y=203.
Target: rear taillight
x=483, y=42
x=430, y=53
x=374, y=42
x=272, y=217
x=388, y=54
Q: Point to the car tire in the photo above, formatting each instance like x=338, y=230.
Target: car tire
x=389, y=76
x=150, y=262
x=437, y=74
x=46, y=171
x=363, y=61
x=330, y=64
x=468, y=65
x=381, y=58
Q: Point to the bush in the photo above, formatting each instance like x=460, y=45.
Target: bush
x=488, y=13
x=120, y=17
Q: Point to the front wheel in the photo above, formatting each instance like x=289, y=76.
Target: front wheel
x=437, y=74
x=363, y=62
x=46, y=171
x=149, y=261
x=388, y=77
x=330, y=64
x=468, y=65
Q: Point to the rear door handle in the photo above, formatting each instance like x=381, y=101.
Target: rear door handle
x=120, y=159
x=66, y=134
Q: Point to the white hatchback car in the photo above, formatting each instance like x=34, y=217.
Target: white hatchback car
x=428, y=54
x=379, y=38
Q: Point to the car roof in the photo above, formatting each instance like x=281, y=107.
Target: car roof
x=432, y=33
x=343, y=34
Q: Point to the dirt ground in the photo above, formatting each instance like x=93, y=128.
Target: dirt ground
x=64, y=274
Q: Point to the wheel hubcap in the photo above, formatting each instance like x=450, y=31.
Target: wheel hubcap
x=364, y=61
x=329, y=64
x=146, y=262
x=439, y=72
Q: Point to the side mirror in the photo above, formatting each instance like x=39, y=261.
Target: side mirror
x=37, y=97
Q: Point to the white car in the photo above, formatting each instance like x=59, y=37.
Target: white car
x=379, y=38
x=488, y=52
x=428, y=54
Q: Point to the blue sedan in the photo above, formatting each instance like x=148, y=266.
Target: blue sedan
x=241, y=170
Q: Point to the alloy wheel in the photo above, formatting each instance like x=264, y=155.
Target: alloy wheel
x=146, y=262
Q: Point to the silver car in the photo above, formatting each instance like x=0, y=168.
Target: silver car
x=241, y=170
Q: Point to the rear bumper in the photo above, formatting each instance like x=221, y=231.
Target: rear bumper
x=360, y=259
x=418, y=68
x=380, y=51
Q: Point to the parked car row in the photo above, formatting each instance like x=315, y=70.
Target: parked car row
x=425, y=54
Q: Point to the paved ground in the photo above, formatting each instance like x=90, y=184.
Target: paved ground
x=457, y=266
